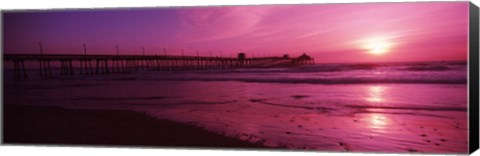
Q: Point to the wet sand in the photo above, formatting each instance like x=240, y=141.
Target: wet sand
x=362, y=117
x=59, y=126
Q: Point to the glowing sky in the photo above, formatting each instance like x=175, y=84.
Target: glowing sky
x=328, y=32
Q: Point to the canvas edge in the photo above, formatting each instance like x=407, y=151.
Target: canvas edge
x=473, y=78
x=2, y=46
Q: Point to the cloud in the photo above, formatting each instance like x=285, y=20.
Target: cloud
x=217, y=23
x=319, y=28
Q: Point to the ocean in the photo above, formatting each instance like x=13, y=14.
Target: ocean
x=366, y=107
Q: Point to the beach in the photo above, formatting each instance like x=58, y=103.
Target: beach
x=399, y=107
x=59, y=126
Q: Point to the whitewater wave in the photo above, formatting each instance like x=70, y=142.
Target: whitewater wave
x=321, y=80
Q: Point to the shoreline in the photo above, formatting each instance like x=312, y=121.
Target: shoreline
x=49, y=125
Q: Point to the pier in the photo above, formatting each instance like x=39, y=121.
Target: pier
x=108, y=64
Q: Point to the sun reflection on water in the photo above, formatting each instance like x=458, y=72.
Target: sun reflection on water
x=375, y=94
x=377, y=122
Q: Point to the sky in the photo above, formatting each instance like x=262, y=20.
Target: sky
x=368, y=32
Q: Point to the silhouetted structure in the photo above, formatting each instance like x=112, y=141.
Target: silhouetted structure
x=303, y=59
x=105, y=64
x=241, y=56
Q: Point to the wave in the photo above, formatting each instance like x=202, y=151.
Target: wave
x=301, y=69
x=264, y=101
x=428, y=68
x=391, y=67
x=437, y=67
x=326, y=80
x=123, y=98
x=461, y=109
x=350, y=109
x=359, y=73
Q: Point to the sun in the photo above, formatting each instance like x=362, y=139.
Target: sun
x=377, y=46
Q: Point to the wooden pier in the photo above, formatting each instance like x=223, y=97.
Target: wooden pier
x=107, y=64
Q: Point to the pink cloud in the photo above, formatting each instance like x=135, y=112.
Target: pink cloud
x=217, y=23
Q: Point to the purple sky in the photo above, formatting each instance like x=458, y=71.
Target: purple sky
x=329, y=32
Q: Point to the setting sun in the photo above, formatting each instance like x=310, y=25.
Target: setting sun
x=377, y=46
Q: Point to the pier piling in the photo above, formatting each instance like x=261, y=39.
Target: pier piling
x=107, y=64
